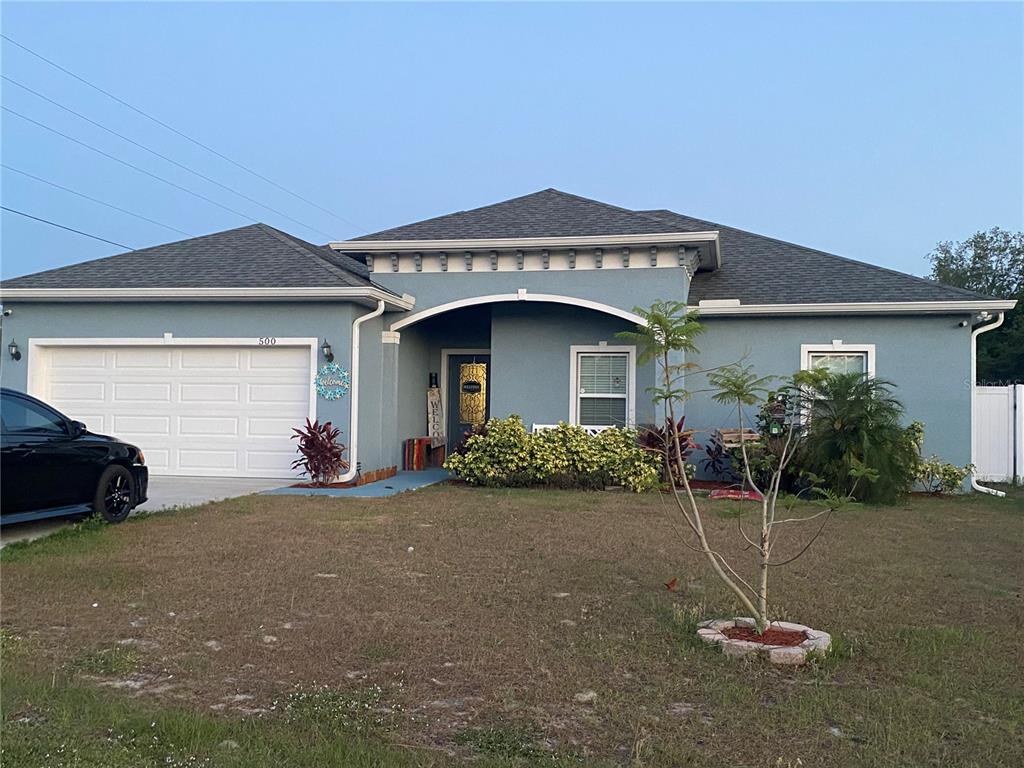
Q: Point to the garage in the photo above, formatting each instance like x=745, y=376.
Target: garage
x=207, y=407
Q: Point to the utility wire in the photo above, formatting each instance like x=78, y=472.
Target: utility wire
x=95, y=200
x=164, y=157
x=69, y=229
x=126, y=163
x=185, y=136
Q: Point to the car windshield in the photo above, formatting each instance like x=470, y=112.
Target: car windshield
x=19, y=415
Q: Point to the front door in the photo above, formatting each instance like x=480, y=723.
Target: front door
x=469, y=395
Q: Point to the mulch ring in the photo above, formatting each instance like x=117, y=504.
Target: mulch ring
x=771, y=636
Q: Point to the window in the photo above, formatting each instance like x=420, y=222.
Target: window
x=18, y=415
x=602, y=384
x=838, y=357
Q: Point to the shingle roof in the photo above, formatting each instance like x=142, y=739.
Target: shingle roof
x=548, y=213
x=254, y=256
x=762, y=270
x=755, y=269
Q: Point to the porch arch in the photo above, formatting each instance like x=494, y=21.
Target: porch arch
x=521, y=295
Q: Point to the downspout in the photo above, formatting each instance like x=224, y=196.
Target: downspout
x=974, y=385
x=353, y=421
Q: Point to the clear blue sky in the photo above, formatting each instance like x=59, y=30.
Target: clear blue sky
x=870, y=130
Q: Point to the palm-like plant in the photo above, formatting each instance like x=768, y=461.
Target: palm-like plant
x=669, y=329
x=853, y=422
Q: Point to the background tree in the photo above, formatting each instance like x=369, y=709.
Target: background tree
x=991, y=263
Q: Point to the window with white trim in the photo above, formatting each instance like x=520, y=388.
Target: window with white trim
x=839, y=357
x=601, y=386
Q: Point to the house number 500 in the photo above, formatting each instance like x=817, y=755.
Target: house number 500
x=267, y=341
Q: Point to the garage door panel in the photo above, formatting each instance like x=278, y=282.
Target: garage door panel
x=197, y=460
x=219, y=411
x=82, y=357
x=278, y=393
x=148, y=426
x=137, y=391
x=261, y=462
x=157, y=459
x=209, y=393
x=271, y=427
x=279, y=358
x=202, y=426
x=198, y=358
x=79, y=392
x=143, y=357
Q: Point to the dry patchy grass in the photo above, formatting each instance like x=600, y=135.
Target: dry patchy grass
x=477, y=640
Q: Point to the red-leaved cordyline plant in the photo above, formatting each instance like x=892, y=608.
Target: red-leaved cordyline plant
x=320, y=454
x=669, y=333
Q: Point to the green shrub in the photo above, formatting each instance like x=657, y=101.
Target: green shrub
x=504, y=454
x=856, y=423
x=938, y=476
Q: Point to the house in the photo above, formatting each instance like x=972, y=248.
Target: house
x=206, y=352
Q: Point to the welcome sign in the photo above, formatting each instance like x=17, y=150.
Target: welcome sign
x=333, y=382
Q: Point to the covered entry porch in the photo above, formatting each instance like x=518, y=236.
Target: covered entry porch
x=545, y=361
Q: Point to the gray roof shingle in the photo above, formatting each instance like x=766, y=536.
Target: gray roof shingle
x=254, y=256
x=548, y=213
x=762, y=270
x=755, y=269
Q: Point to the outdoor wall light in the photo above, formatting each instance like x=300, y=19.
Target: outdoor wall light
x=327, y=351
x=13, y=349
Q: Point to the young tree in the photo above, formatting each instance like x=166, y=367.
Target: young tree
x=991, y=263
x=670, y=331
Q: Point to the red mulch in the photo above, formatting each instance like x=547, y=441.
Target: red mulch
x=771, y=636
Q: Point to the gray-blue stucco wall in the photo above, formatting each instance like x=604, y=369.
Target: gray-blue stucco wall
x=621, y=288
x=928, y=358
x=530, y=359
x=152, y=320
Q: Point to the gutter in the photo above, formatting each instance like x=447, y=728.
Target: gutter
x=975, y=333
x=733, y=307
x=353, y=419
x=371, y=294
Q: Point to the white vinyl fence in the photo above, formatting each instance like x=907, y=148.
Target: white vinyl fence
x=999, y=433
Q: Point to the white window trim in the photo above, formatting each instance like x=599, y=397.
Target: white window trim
x=839, y=347
x=574, y=396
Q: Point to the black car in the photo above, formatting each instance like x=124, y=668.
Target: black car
x=51, y=466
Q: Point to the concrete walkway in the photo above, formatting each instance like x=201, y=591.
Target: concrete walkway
x=164, y=493
x=403, y=481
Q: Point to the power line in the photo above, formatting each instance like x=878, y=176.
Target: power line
x=69, y=229
x=95, y=200
x=185, y=136
x=126, y=163
x=163, y=157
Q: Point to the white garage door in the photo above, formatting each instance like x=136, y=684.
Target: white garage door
x=194, y=410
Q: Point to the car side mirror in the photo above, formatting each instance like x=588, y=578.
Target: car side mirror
x=76, y=428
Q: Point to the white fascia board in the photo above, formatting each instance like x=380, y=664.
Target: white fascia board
x=522, y=243
x=718, y=309
x=371, y=294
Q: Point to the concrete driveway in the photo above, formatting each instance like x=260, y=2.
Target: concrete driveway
x=164, y=493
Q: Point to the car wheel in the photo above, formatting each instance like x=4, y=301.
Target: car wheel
x=115, y=494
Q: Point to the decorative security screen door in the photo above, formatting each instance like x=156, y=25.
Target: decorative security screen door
x=469, y=395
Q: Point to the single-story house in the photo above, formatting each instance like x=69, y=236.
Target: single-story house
x=207, y=352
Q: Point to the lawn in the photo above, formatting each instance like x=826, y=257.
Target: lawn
x=507, y=627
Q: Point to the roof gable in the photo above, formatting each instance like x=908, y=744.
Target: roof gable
x=548, y=213
x=254, y=256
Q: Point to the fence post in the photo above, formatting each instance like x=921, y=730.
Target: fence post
x=1018, y=434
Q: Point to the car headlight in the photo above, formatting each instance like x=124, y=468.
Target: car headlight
x=141, y=458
